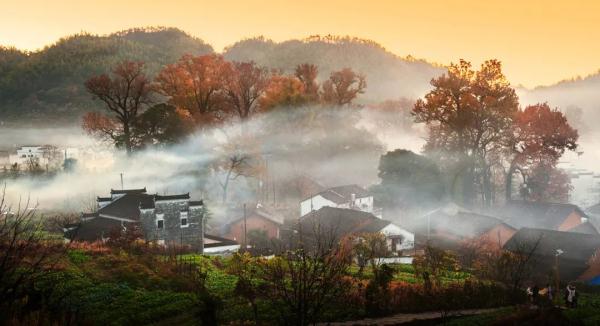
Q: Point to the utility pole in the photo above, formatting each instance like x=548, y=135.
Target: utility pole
x=245, y=230
x=557, y=290
x=121, y=180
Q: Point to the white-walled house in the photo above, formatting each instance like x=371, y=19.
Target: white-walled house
x=41, y=155
x=348, y=196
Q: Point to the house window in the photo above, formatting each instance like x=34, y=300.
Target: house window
x=160, y=221
x=184, y=219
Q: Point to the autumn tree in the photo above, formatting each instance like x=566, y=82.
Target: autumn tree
x=343, y=87
x=539, y=137
x=126, y=94
x=307, y=74
x=469, y=114
x=546, y=183
x=196, y=84
x=283, y=91
x=243, y=88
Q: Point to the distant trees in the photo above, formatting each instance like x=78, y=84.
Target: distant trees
x=125, y=94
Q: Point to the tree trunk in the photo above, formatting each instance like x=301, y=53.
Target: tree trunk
x=127, y=135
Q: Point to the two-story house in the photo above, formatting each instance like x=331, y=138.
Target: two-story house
x=348, y=196
x=166, y=219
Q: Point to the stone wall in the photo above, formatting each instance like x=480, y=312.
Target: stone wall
x=172, y=231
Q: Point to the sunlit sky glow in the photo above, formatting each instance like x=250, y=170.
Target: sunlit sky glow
x=539, y=42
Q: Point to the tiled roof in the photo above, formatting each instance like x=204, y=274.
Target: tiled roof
x=574, y=245
x=171, y=197
x=456, y=221
x=341, y=221
x=343, y=194
x=196, y=203
x=523, y=214
x=127, y=191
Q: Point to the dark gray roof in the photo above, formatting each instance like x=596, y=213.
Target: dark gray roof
x=577, y=249
x=341, y=221
x=172, y=197
x=196, y=203
x=127, y=191
x=523, y=214
x=456, y=221
x=343, y=194
x=576, y=246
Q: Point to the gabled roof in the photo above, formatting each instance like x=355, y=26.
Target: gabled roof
x=343, y=194
x=126, y=206
x=259, y=212
x=128, y=191
x=575, y=246
x=457, y=221
x=524, y=214
x=341, y=221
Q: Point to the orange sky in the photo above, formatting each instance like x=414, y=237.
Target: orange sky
x=539, y=42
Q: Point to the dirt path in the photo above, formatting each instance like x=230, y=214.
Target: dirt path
x=406, y=318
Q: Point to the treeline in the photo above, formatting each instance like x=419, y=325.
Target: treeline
x=47, y=84
x=203, y=92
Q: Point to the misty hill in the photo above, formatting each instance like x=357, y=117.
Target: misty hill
x=49, y=83
x=583, y=93
x=388, y=76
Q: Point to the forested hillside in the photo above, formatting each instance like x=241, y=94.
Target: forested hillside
x=48, y=84
x=388, y=76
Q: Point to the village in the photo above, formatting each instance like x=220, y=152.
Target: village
x=255, y=175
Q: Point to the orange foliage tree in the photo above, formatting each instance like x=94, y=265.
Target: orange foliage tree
x=196, y=84
x=243, y=88
x=540, y=137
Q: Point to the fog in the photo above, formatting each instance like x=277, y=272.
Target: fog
x=332, y=147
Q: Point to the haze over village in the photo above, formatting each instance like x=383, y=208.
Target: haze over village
x=321, y=179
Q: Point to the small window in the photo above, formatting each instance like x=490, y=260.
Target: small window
x=184, y=222
x=160, y=221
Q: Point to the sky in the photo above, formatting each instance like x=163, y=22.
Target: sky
x=539, y=42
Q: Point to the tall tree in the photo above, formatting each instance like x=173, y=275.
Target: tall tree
x=307, y=73
x=469, y=114
x=408, y=180
x=244, y=86
x=539, y=138
x=126, y=93
x=196, y=84
x=343, y=87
